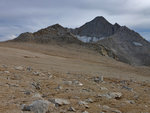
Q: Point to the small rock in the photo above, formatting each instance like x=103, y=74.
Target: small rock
x=37, y=95
x=68, y=82
x=71, y=109
x=37, y=86
x=7, y=72
x=105, y=107
x=99, y=79
x=77, y=83
x=38, y=106
x=4, y=66
x=36, y=73
x=85, y=112
x=110, y=110
x=27, y=92
x=16, y=77
x=84, y=104
x=86, y=90
x=130, y=101
x=29, y=68
x=59, y=102
x=50, y=75
x=59, y=87
x=103, y=88
x=146, y=106
x=127, y=88
x=89, y=100
x=115, y=110
x=115, y=95
x=20, y=68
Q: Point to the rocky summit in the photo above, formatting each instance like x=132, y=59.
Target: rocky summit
x=99, y=27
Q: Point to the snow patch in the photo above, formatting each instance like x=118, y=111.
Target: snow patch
x=137, y=44
x=89, y=39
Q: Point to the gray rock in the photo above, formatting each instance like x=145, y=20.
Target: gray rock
x=7, y=72
x=83, y=103
x=37, y=95
x=110, y=110
x=4, y=66
x=71, y=109
x=103, y=88
x=115, y=110
x=85, y=112
x=36, y=85
x=89, y=100
x=20, y=68
x=115, y=95
x=38, y=106
x=59, y=87
x=29, y=68
x=77, y=83
x=127, y=88
x=68, y=82
x=50, y=75
x=111, y=95
x=99, y=79
x=59, y=102
x=27, y=92
x=130, y=101
x=105, y=107
x=36, y=73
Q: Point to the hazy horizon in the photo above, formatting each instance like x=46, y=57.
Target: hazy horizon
x=20, y=16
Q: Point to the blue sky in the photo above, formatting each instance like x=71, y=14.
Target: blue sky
x=17, y=16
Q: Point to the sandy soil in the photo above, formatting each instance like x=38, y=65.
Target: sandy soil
x=57, y=64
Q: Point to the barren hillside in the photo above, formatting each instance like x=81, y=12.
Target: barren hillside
x=69, y=79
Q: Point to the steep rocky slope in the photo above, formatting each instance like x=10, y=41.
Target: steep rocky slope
x=129, y=46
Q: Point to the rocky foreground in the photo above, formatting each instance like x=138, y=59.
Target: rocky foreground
x=27, y=90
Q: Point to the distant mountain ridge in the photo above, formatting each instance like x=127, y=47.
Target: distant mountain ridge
x=52, y=33
x=118, y=42
x=56, y=34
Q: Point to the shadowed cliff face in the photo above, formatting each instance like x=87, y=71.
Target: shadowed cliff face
x=129, y=46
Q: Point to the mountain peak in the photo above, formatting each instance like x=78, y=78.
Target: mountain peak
x=56, y=25
x=116, y=24
x=99, y=27
x=99, y=19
